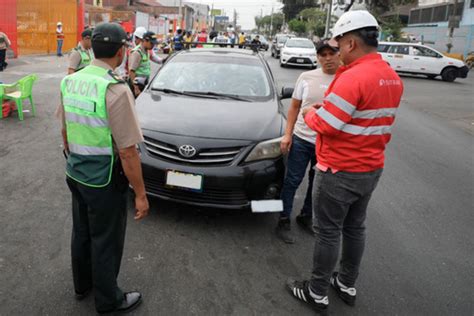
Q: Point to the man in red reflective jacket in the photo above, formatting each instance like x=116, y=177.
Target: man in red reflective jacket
x=354, y=125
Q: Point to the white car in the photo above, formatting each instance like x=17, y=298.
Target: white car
x=422, y=60
x=298, y=52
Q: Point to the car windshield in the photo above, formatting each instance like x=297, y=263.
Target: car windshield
x=229, y=75
x=299, y=43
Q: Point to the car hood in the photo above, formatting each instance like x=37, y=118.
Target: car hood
x=297, y=51
x=454, y=61
x=209, y=118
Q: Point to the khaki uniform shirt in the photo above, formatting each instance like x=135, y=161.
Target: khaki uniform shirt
x=4, y=41
x=75, y=57
x=136, y=59
x=123, y=119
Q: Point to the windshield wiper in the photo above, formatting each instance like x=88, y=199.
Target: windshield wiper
x=186, y=93
x=221, y=95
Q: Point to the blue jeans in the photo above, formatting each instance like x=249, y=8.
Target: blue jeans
x=301, y=154
x=341, y=201
x=60, y=47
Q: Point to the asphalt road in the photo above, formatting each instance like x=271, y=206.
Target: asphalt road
x=419, y=258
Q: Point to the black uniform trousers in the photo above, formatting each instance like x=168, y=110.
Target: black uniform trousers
x=98, y=234
x=3, y=64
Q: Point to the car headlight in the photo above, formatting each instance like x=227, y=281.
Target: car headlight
x=265, y=150
x=285, y=53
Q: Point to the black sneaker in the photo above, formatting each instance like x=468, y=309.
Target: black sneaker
x=131, y=300
x=347, y=294
x=283, y=231
x=306, y=223
x=82, y=295
x=300, y=290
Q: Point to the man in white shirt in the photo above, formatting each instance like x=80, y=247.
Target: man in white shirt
x=299, y=140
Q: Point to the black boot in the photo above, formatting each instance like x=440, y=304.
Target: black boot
x=283, y=230
x=306, y=222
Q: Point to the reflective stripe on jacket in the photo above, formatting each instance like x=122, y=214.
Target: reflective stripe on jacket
x=355, y=123
x=89, y=137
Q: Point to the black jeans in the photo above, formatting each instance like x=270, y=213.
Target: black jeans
x=3, y=53
x=341, y=201
x=99, y=222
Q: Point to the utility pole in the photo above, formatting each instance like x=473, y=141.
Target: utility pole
x=453, y=23
x=212, y=16
x=180, y=14
x=235, y=19
x=271, y=23
x=328, y=19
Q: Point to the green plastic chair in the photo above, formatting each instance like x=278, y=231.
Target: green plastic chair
x=18, y=91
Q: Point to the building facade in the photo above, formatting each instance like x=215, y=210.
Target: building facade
x=31, y=24
x=429, y=22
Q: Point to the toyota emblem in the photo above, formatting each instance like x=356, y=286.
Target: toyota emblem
x=187, y=151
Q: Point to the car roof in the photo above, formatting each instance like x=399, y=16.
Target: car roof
x=400, y=43
x=300, y=38
x=221, y=51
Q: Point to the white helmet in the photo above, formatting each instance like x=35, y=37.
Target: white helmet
x=139, y=32
x=353, y=20
x=59, y=23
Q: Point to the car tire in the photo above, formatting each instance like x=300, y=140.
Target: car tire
x=314, y=67
x=282, y=65
x=449, y=74
x=273, y=54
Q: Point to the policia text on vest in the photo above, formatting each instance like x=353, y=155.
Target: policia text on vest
x=100, y=132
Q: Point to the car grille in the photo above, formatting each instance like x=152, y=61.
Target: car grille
x=293, y=60
x=219, y=156
x=209, y=195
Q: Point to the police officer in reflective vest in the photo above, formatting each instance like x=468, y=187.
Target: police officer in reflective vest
x=139, y=65
x=100, y=133
x=80, y=56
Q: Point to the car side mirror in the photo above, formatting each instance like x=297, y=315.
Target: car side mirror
x=286, y=93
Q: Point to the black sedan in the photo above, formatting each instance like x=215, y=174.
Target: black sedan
x=212, y=122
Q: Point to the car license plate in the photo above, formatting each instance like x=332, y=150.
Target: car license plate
x=300, y=61
x=184, y=180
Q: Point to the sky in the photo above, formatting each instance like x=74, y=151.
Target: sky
x=246, y=9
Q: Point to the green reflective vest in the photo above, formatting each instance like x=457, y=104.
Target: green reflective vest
x=89, y=137
x=85, y=57
x=144, y=69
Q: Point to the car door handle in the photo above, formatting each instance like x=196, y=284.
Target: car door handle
x=416, y=58
x=389, y=55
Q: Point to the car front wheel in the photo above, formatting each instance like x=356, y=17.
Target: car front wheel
x=449, y=74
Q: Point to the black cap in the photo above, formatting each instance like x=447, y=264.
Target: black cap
x=86, y=33
x=109, y=33
x=326, y=43
x=151, y=37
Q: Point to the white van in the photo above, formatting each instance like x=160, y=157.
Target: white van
x=420, y=59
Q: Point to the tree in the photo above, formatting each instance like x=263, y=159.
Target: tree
x=291, y=8
x=392, y=27
x=297, y=26
x=315, y=20
x=266, y=22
